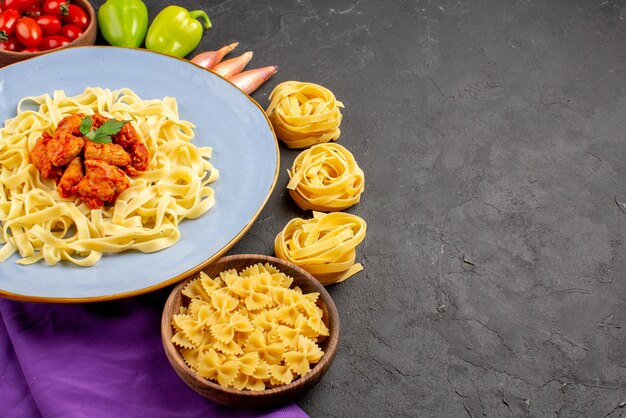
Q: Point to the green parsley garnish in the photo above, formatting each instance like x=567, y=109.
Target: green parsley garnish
x=102, y=135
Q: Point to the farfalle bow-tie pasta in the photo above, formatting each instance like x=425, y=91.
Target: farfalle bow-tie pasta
x=304, y=114
x=326, y=178
x=324, y=245
x=249, y=330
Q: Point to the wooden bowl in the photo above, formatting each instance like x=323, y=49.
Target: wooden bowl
x=87, y=38
x=245, y=398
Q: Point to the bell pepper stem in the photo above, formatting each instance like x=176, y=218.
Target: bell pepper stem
x=201, y=14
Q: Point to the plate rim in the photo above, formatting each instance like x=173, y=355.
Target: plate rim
x=123, y=295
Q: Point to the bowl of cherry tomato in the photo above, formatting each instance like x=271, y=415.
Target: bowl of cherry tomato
x=33, y=27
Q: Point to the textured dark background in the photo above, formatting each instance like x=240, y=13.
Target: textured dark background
x=492, y=136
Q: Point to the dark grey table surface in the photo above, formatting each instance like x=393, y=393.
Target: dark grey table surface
x=492, y=136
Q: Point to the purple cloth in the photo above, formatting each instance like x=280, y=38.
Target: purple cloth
x=97, y=360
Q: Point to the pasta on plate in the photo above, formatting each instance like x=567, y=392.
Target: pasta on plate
x=40, y=224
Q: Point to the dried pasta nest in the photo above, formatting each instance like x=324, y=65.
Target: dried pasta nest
x=325, y=245
x=249, y=329
x=326, y=178
x=304, y=114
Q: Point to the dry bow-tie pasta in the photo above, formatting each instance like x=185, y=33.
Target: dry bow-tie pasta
x=324, y=245
x=326, y=178
x=249, y=330
x=304, y=114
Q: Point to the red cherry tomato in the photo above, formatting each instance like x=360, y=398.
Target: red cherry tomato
x=71, y=32
x=57, y=8
x=8, y=21
x=50, y=25
x=28, y=32
x=2, y=7
x=20, y=5
x=54, y=41
x=77, y=17
x=34, y=11
x=30, y=50
x=11, y=44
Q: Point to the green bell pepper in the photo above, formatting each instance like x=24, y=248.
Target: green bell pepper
x=175, y=31
x=123, y=22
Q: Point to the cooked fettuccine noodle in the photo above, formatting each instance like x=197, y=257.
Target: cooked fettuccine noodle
x=41, y=225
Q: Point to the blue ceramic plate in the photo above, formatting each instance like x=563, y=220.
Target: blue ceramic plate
x=245, y=151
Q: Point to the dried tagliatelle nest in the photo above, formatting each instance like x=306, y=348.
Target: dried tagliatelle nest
x=326, y=178
x=324, y=245
x=304, y=114
x=249, y=329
